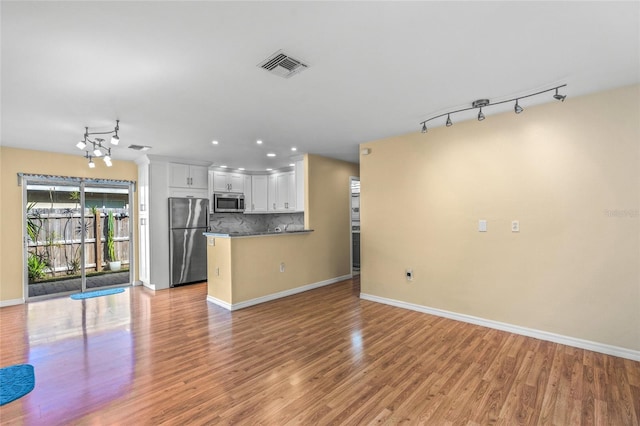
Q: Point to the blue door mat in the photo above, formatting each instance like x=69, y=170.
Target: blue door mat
x=16, y=381
x=97, y=293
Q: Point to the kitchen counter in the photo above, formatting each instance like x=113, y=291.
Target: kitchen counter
x=254, y=233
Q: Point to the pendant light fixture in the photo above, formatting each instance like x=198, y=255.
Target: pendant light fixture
x=97, y=147
x=483, y=103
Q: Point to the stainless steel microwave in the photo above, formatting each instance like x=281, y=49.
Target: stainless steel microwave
x=228, y=202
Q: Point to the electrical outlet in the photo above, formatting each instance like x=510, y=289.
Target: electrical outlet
x=515, y=226
x=409, y=274
x=282, y=267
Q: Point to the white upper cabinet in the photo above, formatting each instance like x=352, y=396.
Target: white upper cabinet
x=285, y=192
x=187, y=176
x=281, y=192
x=258, y=194
x=228, y=182
x=272, y=202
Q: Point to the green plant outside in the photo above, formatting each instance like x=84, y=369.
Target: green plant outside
x=36, y=267
x=111, y=249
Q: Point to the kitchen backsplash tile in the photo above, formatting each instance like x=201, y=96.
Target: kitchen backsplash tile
x=238, y=222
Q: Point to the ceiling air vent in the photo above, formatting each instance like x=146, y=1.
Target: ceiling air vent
x=139, y=147
x=282, y=65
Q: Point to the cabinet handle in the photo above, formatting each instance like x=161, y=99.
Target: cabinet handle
x=274, y=206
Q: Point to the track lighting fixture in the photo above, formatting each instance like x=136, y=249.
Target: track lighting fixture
x=558, y=96
x=97, y=146
x=483, y=103
x=517, y=108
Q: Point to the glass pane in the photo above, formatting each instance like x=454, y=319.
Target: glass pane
x=54, y=229
x=107, y=257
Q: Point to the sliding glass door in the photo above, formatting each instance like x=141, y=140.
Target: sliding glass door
x=77, y=235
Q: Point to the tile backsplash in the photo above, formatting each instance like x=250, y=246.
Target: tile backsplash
x=239, y=222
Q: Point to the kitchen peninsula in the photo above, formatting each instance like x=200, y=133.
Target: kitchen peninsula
x=247, y=268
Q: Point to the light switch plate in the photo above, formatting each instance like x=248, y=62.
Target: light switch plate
x=515, y=226
x=482, y=225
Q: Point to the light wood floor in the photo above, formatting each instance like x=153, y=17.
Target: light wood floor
x=320, y=357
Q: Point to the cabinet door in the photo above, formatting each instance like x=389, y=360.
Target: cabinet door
x=236, y=181
x=271, y=193
x=199, y=176
x=282, y=191
x=259, y=197
x=248, y=197
x=291, y=186
x=179, y=175
x=220, y=182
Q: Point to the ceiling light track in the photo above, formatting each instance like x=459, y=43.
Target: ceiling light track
x=98, y=146
x=483, y=103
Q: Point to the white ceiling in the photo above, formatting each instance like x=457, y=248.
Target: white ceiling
x=181, y=74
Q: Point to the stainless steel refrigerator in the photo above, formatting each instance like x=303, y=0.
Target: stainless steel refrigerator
x=188, y=219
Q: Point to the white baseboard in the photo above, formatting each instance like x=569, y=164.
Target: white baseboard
x=274, y=296
x=220, y=303
x=149, y=286
x=11, y=302
x=137, y=283
x=529, y=332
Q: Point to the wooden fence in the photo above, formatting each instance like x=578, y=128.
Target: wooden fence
x=55, y=239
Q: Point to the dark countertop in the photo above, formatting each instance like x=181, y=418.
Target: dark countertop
x=253, y=234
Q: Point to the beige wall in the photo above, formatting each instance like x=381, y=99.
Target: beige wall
x=569, y=172
x=254, y=269
x=14, y=161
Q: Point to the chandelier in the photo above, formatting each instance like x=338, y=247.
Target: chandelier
x=97, y=147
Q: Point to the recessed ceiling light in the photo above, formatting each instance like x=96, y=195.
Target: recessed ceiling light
x=241, y=168
x=292, y=165
x=224, y=167
x=269, y=170
x=259, y=142
x=293, y=148
x=271, y=154
x=214, y=142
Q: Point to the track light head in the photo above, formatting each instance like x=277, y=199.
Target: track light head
x=115, y=140
x=517, y=108
x=559, y=97
x=449, y=122
x=424, y=128
x=92, y=165
x=480, y=115
x=81, y=145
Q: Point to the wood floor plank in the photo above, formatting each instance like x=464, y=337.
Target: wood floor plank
x=320, y=357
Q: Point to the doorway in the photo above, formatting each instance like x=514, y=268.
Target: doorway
x=354, y=209
x=77, y=235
